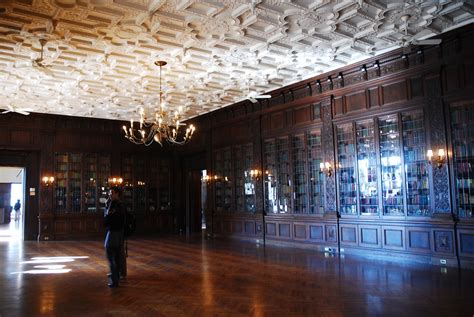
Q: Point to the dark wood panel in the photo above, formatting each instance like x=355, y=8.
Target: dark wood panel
x=60, y=226
x=416, y=87
x=316, y=232
x=299, y=231
x=466, y=243
x=393, y=237
x=349, y=234
x=277, y=120
x=284, y=230
x=394, y=92
x=419, y=240
x=443, y=240
x=21, y=137
x=76, y=226
x=249, y=227
x=302, y=115
x=271, y=229
x=369, y=236
x=469, y=73
x=331, y=233
x=356, y=101
x=227, y=226
x=237, y=227
x=338, y=106
x=451, y=77
x=374, y=97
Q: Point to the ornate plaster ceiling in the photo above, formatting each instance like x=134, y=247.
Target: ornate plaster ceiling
x=99, y=55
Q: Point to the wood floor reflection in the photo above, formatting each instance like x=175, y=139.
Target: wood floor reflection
x=174, y=276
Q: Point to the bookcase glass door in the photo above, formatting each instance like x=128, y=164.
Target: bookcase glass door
x=90, y=183
x=127, y=175
x=300, y=204
x=391, y=166
x=228, y=179
x=165, y=184
x=140, y=183
x=283, y=175
x=416, y=166
x=367, y=168
x=75, y=180
x=103, y=172
x=239, y=177
x=61, y=179
x=462, y=129
x=152, y=195
x=270, y=176
x=347, y=178
x=218, y=180
x=244, y=184
x=249, y=182
x=315, y=177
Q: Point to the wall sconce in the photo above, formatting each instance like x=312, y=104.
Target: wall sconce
x=255, y=174
x=115, y=181
x=48, y=180
x=326, y=168
x=206, y=179
x=439, y=160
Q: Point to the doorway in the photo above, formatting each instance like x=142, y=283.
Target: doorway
x=12, y=203
x=194, y=211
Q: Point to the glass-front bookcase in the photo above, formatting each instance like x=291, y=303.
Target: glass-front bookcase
x=346, y=163
x=314, y=155
x=276, y=163
x=416, y=165
x=367, y=167
x=390, y=176
x=391, y=166
x=244, y=184
x=127, y=175
x=90, y=182
x=462, y=131
x=165, y=184
x=80, y=182
x=223, y=179
x=300, y=203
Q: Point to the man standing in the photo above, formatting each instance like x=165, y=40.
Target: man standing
x=17, y=208
x=114, y=221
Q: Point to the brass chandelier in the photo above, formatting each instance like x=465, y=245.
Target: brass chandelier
x=163, y=127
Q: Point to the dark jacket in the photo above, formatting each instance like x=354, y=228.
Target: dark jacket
x=114, y=221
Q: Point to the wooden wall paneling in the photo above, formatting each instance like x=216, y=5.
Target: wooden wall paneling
x=21, y=138
x=419, y=239
x=338, y=106
x=370, y=236
x=394, y=92
x=416, y=87
x=466, y=242
x=301, y=92
x=277, y=120
x=249, y=227
x=443, y=241
x=284, y=230
x=302, y=115
x=468, y=73
x=348, y=234
x=270, y=229
x=330, y=233
x=316, y=232
x=355, y=101
x=374, y=97
x=237, y=226
x=393, y=237
x=300, y=231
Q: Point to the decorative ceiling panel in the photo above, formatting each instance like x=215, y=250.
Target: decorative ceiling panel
x=98, y=55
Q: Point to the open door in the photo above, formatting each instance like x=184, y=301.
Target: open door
x=12, y=203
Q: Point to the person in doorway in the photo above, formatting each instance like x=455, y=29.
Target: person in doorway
x=17, y=209
x=114, y=221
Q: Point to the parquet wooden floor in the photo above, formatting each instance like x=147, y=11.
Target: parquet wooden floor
x=175, y=276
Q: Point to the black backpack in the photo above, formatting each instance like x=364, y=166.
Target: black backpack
x=130, y=224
